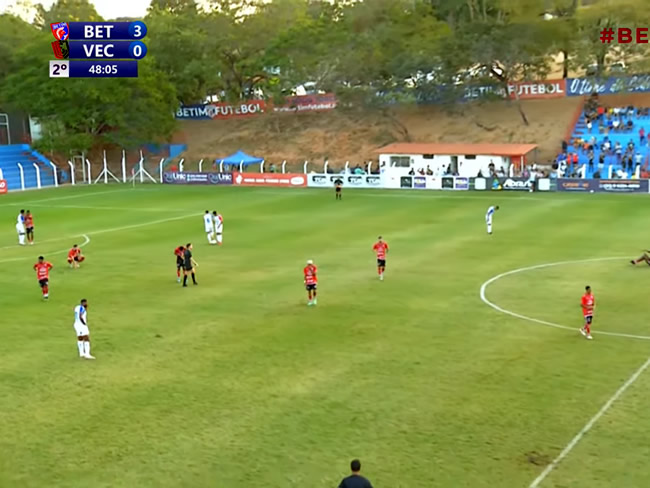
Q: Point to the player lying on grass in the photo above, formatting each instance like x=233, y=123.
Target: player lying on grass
x=75, y=257
x=644, y=257
x=311, y=282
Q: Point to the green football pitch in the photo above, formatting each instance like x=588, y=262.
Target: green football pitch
x=236, y=383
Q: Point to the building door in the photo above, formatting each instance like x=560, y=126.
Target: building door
x=454, y=165
x=5, y=137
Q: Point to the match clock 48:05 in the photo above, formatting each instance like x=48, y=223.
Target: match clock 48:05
x=93, y=69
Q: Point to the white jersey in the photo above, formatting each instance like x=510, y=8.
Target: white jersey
x=20, y=222
x=490, y=213
x=80, y=315
x=207, y=221
x=218, y=223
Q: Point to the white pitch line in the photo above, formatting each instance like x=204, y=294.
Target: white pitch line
x=124, y=209
x=569, y=447
x=23, y=258
x=544, y=322
x=113, y=229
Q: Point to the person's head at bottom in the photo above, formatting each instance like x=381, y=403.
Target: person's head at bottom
x=355, y=466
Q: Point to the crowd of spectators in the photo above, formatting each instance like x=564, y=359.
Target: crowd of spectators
x=595, y=151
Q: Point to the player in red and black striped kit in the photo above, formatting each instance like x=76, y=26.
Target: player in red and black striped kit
x=42, y=269
x=311, y=282
x=179, y=252
x=381, y=248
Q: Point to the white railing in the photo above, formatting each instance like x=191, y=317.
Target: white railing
x=284, y=166
x=56, y=176
x=38, y=175
x=347, y=167
x=241, y=166
x=325, y=166
x=304, y=167
x=221, y=166
x=201, y=166
x=369, y=167
x=72, y=177
x=123, y=166
x=262, y=167
x=181, y=165
x=88, y=173
x=160, y=168
x=22, y=176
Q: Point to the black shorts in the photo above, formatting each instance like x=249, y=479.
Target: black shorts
x=30, y=230
x=310, y=287
x=338, y=189
x=43, y=283
x=381, y=263
x=588, y=319
x=188, y=267
x=179, y=262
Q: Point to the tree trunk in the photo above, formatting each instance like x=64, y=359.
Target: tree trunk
x=565, y=64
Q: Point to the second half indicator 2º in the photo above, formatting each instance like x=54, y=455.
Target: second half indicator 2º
x=65, y=68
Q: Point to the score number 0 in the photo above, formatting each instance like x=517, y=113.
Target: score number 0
x=60, y=68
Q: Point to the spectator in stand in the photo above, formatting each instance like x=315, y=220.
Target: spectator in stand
x=429, y=172
x=272, y=168
x=421, y=172
x=601, y=112
x=641, y=136
x=616, y=123
x=630, y=163
x=565, y=146
x=575, y=161
x=630, y=125
x=589, y=124
x=638, y=158
x=590, y=156
x=412, y=172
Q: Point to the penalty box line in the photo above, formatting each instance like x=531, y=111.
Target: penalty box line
x=578, y=437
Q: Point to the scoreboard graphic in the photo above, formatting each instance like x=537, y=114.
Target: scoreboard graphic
x=97, y=49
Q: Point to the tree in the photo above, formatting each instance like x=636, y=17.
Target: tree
x=67, y=11
x=77, y=114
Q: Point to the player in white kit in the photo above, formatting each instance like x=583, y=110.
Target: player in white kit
x=488, y=217
x=81, y=329
x=218, y=226
x=20, y=227
x=209, y=227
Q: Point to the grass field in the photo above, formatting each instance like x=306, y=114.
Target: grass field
x=237, y=383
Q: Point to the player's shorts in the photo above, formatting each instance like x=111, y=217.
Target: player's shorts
x=338, y=189
x=77, y=259
x=30, y=230
x=81, y=329
x=187, y=266
x=209, y=230
x=310, y=287
x=588, y=319
x=179, y=262
x=43, y=283
x=381, y=263
x=20, y=228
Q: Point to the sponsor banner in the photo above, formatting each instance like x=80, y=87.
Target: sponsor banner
x=529, y=90
x=214, y=111
x=4, y=188
x=447, y=183
x=171, y=177
x=461, y=183
x=608, y=86
x=510, y=184
x=270, y=179
x=602, y=186
x=308, y=103
x=480, y=184
x=420, y=182
x=434, y=183
x=351, y=181
x=406, y=182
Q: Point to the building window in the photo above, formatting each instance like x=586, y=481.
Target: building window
x=400, y=161
x=470, y=156
x=5, y=138
x=427, y=156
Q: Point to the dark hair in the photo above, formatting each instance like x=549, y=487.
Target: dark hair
x=497, y=207
x=74, y=245
x=29, y=211
x=83, y=300
x=207, y=211
x=355, y=465
x=587, y=288
x=22, y=210
x=41, y=258
x=214, y=212
x=188, y=244
x=379, y=237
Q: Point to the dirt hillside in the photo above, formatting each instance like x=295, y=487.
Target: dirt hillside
x=343, y=135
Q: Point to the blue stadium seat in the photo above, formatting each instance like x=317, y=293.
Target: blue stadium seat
x=581, y=131
x=13, y=154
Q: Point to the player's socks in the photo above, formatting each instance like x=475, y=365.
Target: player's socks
x=194, y=279
x=582, y=331
x=315, y=301
x=87, y=350
x=185, y=280
x=80, y=346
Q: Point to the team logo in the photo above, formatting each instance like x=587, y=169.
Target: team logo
x=61, y=31
x=61, y=49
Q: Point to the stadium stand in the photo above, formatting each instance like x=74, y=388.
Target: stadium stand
x=607, y=142
x=13, y=154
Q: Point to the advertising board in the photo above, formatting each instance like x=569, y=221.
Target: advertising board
x=321, y=180
x=577, y=185
x=4, y=188
x=608, y=86
x=176, y=178
x=270, y=179
x=213, y=111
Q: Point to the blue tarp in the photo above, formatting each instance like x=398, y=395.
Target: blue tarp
x=239, y=157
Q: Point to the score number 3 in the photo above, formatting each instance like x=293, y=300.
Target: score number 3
x=60, y=69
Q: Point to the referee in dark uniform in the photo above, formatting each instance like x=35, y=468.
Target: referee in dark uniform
x=355, y=480
x=188, y=264
x=338, y=184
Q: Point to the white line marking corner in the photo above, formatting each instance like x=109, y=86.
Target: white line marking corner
x=569, y=447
